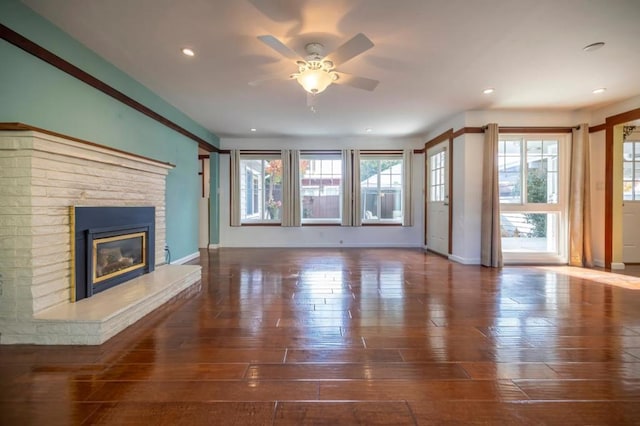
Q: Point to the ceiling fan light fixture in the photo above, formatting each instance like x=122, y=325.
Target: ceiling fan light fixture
x=315, y=78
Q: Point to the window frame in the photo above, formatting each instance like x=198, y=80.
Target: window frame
x=559, y=209
x=437, y=177
x=260, y=211
x=377, y=219
x=635, y=170
x=312, y=157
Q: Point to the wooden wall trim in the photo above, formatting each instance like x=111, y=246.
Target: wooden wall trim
x=529, y=130
x=21, y=127
x=598, y=128
x=466, y=130
x=444, y=136
x=448, y=134
x=623, y=117
x=49, y=57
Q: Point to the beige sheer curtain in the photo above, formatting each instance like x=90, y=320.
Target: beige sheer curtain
x=291, y=215
x=356, y=195
x=580, y=200
x=347, y=188
x=407, y=204
x=234, y=212
x=491, y=244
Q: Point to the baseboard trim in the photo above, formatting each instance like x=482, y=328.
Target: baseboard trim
x=464, y=260
x=214, y=246
x=330, y=245
x=617, y=265
x=186, y=258
x=598, y=262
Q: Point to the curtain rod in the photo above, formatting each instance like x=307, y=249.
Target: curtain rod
x=535, y=129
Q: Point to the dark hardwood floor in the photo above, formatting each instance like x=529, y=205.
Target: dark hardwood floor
x=351, y=336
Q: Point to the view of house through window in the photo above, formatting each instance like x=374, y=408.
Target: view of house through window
x=531, y=210
x=631, y=170
x=321, y=188
x=381, y=188
x=261, y=188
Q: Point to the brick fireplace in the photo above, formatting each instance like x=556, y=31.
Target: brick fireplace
x=43, y=178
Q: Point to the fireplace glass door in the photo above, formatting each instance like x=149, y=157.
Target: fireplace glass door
x=117, y=255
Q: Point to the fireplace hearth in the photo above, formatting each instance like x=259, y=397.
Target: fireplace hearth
x=112, y=246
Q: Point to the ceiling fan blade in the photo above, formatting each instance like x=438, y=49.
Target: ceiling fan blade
x=357, y=82
x=279, y=47
x=350, y=49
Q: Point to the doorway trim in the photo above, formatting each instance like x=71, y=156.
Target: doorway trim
x=447, y=135
x=610, y=122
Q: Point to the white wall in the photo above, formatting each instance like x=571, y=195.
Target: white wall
x=203, y=205
x=599, y=116
x=467, y=198
x=456, y=122
x=323, y=236
x=521, y=118
x=597, y=177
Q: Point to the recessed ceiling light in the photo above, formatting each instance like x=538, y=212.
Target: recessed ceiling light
x=599, y=90
x=593, y=46
x=488, y=90
x=253, y=129
x=368, y=130
x=188, y=52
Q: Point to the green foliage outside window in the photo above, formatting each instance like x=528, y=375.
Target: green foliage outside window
x=537, y=193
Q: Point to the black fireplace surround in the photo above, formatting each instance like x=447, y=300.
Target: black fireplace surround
x=94, y=224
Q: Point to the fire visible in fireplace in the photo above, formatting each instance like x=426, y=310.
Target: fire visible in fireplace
x=117, y=255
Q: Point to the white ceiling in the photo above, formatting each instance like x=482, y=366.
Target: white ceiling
x=433, y=58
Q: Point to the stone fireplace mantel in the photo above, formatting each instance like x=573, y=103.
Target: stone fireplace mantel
x=41, y=176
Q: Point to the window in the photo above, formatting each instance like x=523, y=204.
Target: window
x=436, y=181
x=631, y=170
x=321, y=188
x=342, y=187
x=252, y=194
x=531, y=188
x=261, y=188
x=381, y=188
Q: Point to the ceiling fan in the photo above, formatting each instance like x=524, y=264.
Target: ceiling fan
x=317, y=71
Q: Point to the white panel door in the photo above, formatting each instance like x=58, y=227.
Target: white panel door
x=631, y=199
x=438, y=198
x=631, y=232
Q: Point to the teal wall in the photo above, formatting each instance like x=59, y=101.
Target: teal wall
x=38, y=94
